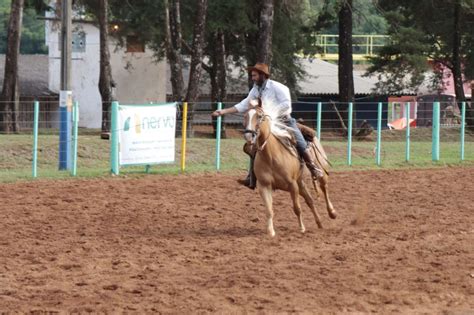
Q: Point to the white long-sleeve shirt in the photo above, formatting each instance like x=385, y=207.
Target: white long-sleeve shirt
x=273, y=92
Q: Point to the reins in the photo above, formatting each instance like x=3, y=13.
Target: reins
x=258, y=128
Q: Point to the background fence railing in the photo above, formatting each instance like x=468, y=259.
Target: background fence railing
x=435, y=134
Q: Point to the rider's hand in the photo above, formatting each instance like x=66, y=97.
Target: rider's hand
x=218, y=113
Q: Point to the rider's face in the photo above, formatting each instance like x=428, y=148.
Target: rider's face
x=257, y=77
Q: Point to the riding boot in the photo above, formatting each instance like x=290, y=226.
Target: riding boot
x=316, y=172
x=250, y=181
x=252, y=178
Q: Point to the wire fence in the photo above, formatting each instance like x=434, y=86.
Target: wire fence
x=394, y=135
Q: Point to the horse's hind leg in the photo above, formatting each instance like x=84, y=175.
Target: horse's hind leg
x=294, y=191
x=324, y=188
x=310, y=202
x=266, y=194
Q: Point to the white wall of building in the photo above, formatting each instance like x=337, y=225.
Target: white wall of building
x=138, y=77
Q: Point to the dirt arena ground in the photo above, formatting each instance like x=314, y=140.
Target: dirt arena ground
x=403, y=243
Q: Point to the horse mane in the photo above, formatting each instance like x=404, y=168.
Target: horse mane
x=276, y=113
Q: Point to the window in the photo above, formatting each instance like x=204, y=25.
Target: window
x=78, y=42
x=135, y=45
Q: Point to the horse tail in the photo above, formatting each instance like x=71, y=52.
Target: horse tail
x=320, y=155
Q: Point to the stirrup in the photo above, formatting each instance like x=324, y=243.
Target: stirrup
x=316, y=173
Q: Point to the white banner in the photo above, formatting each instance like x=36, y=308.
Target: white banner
x=147, y=134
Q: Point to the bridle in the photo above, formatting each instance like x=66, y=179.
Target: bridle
x=260, y=119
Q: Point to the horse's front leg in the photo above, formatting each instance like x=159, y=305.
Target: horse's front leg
x=266, y=194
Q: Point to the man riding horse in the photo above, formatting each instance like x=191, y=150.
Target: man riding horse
x=269, y=91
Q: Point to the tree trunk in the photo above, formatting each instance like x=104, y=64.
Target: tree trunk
x=265, y=30
x=345, y=68
x=457, y=72
x=457, y=66
x=9, y=100
x=221, y=65
x=173, y=48
x=105, y=78
x=197, y=49
x=219, y=78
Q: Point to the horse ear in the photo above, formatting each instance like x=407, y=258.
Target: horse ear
x=259, y=102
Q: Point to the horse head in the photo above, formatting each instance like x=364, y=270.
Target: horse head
x=252, y=120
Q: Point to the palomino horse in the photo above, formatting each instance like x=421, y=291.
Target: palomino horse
x=277, y=166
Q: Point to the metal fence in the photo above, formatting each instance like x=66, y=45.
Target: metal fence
x=355, y=135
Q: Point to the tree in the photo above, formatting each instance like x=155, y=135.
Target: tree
x=9, y=99
x=436, y=30
x=265, y=31
x=106, y=83
x=99, y=11
x=197, y=51
x=345, y=62
x=32, y=34
x=173, y=47
x=345, y=67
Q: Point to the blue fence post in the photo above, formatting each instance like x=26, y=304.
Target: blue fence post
x=65, y=126
x=35, y=139
x=463, y=123
x=379, y=133
x=407, y=144
x=114, y=140
x=349, y=135
x=318, y=121
x=435, y=132
x=218, y=138
x=75, y=123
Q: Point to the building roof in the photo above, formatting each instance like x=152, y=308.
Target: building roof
x=321, y=78
x=33, y=74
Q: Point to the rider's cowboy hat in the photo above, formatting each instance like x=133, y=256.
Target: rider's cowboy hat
x=260, y=67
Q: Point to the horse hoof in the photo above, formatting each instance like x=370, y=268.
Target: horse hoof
x=332, y=214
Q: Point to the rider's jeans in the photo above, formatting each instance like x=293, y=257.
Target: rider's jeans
x=301, y=144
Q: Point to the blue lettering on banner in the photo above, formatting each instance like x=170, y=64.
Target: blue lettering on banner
x=158, y=122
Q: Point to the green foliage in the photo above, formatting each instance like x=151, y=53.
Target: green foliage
x=402, y=63
x=142, y=18
x=367, y=19
x=288, y=39
x=422, y=30
x=32, y=37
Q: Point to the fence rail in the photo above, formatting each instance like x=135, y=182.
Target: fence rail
x=363, y=46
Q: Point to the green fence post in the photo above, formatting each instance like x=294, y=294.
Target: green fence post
x=407, y=143
x=218, y=138
x=114, y=137
x=463, y=123
x=35, y=139
x=349, y=135
x=379, y=133
x=318, y=121
x=75, y=122
x=435, y=132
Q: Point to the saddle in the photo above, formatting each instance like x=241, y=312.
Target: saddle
x=308, y=133
x=310, y=136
